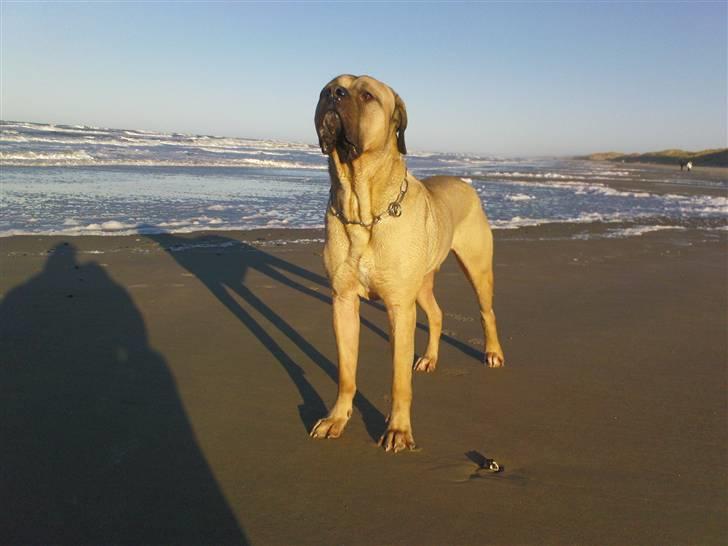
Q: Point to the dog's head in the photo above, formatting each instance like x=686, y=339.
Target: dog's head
x=358, y=114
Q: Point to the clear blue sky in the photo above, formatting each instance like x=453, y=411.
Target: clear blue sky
x=510, y=79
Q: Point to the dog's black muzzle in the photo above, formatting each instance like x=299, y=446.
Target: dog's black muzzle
x=330, y=131
x=331, y=127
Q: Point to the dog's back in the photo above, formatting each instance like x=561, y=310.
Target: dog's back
x=461, y=223
x=452, y=196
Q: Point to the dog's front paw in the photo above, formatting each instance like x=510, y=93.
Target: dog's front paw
x=494, y=359
x=328, y=427
x=426, y=364
x=396, y=440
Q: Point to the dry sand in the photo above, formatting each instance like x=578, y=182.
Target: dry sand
x=161, y=394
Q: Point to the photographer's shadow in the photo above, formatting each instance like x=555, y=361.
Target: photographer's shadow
x=96, y=445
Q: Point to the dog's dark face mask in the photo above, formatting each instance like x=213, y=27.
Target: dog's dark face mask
x=337, y=117
x=345, y=104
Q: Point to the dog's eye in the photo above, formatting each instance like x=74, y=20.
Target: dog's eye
x=367, y=96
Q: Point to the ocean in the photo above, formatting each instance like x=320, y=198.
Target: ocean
x=79, y=180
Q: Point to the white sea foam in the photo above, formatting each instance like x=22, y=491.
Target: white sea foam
x=174, y=224
x=279, y=242
x=606, y=174
x=110, y=225
x=547, y=175
x=613, y=173
x=519, y=197
x=518, y=222
x=82, y=158
x=583, y=218
x=56, y=128
x=637, y=231
x=606, y=190
x=42, y=158
x=133, y=229
x=260, y=215
x=271, y=163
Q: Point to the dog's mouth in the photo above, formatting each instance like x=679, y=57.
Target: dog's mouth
x=332, y=135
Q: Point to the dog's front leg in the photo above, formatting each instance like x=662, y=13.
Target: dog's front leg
x=398, y=435
x=346, y=330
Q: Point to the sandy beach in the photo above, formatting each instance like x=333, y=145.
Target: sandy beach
x=160, y=389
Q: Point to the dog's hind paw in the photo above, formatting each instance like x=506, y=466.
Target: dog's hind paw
x=425, y=364
x=494, y=360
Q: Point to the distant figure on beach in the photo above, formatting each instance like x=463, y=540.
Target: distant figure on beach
x=688, y=164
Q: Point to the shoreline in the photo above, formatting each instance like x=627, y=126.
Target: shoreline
x=698, y=228
x=547, y=230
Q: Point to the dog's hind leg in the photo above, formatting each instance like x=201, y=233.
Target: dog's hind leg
x=426, y=300
x=474, y=250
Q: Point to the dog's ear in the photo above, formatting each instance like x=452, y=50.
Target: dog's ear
x=399, y=118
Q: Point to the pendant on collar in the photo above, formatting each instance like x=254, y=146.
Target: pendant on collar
x=395, y=209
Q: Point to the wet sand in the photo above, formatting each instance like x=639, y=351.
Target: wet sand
x=161, y=389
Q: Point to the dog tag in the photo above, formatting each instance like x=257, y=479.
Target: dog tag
x=395, y=209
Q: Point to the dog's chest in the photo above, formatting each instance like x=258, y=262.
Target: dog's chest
x=365, y=272
x=368, y=276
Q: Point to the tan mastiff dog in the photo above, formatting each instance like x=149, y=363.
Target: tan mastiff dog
x=387, y=234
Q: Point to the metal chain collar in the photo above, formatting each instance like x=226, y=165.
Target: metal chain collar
x=394, y=209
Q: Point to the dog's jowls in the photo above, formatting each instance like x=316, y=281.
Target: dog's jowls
x=387, y=234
